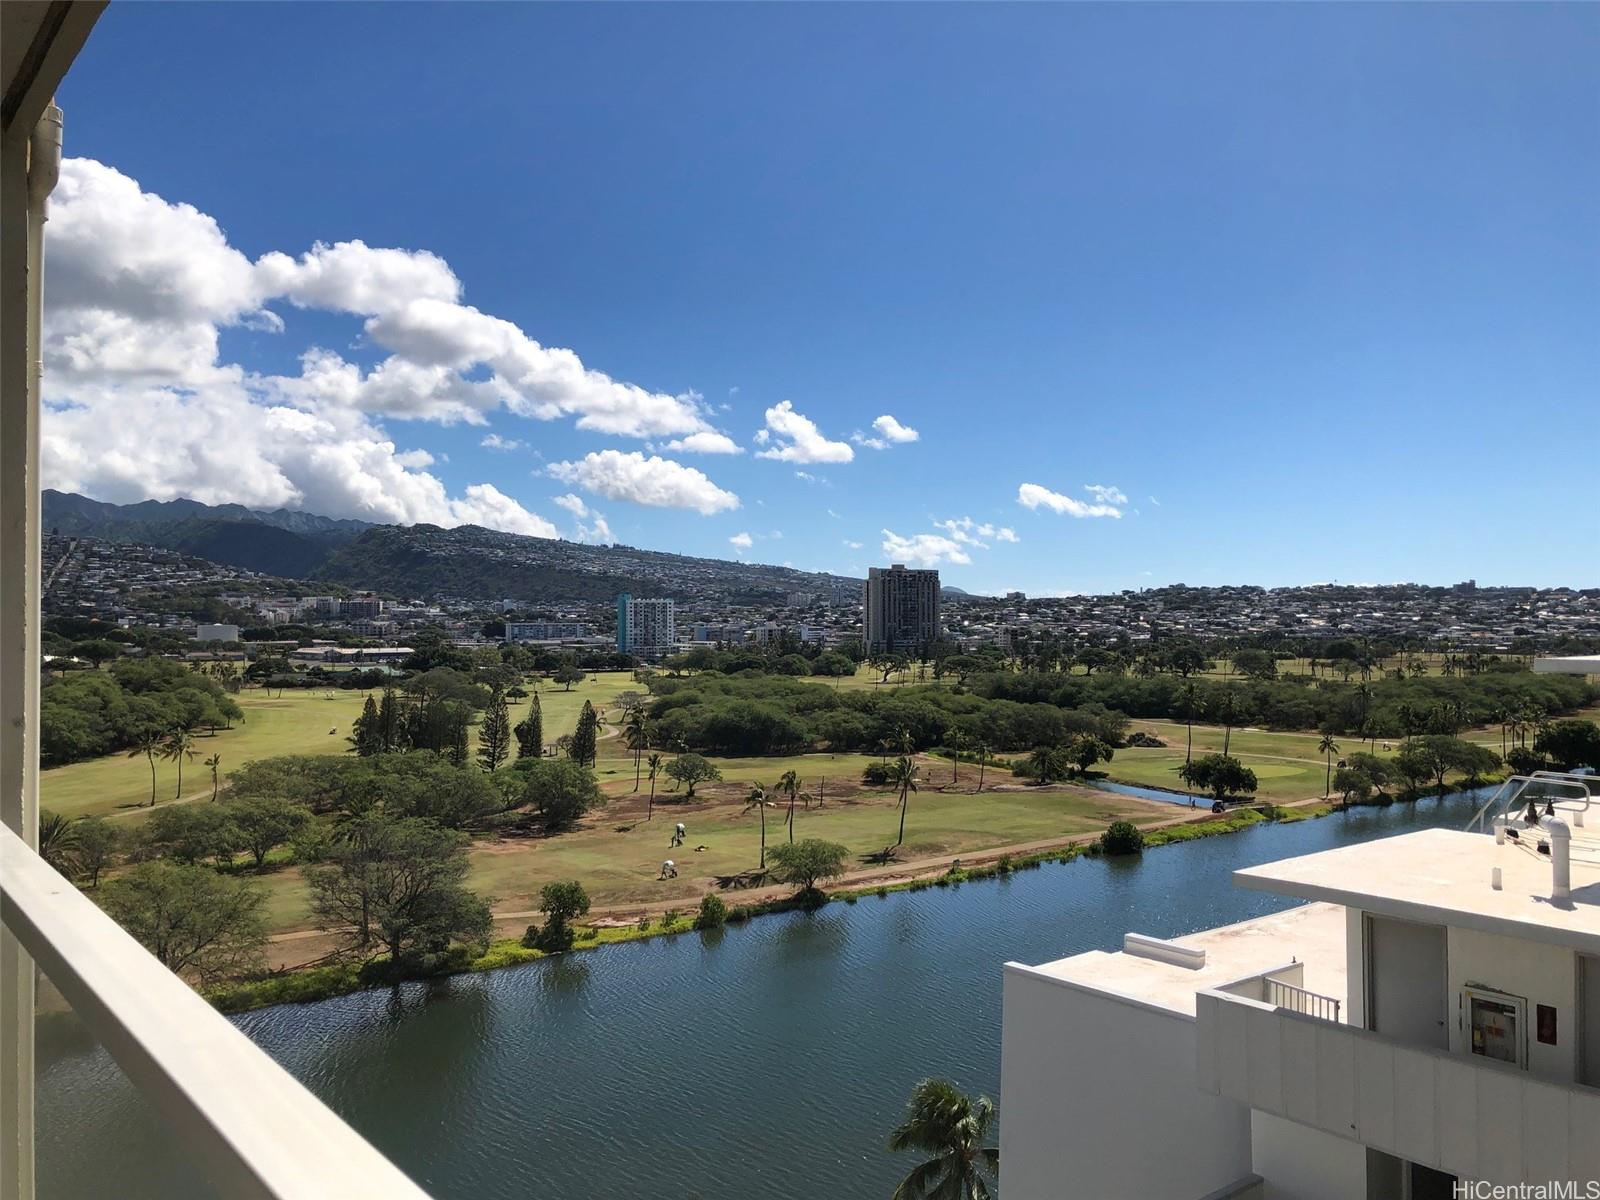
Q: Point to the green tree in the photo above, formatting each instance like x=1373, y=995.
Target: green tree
x=634, y=734
x=904, y=776
x=148, y=744
x=585, y=736
x=789, y=785
x=400, y=883
x=567, y=674
x=58, y=842
x=692, y=769
x=1227, y=711
x=1188, y=700
x=1570, y=743
x=1220, y=774
x=654, y=764
x=805, y=863
x=1048, y=763
x=949, y=1128
x=264, y=823
x=494, y=732
x=98, y=843
x=562, y=903
x=1327, y=747
x=213, y=763
x=1087, y=751
x=367, y=733
x=713, y=913
x=560, y=790
x=757, y=799
x=190, y=833
x=196, y=922
x=530, y=731
x=179, y=745
x=983, y=758
x=1122, y=837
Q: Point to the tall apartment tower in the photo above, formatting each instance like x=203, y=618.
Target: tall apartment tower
x=902, y=609
x=645, y=627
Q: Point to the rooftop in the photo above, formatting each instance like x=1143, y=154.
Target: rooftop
x=1313, y=934
x=1443, y=876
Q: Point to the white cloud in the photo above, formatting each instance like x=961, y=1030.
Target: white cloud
x=1003, y=534
x=1153, y=501
x=742, y=541
x=802, y=440
x=596, y=533
x=852, y=545
x=657, y=482
x=495, y=442
x=923, y=549
x=1105, y=495
x=1032, y=495
x=707, y=441
x=573, y=504
x=138, y=290
x=889, y=432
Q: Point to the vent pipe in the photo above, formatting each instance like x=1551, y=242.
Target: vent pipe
x=1560, y=859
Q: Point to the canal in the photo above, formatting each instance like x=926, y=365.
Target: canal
x=769, y=1059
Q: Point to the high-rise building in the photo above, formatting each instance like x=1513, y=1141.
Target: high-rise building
x=902, y=609
x=645, y=627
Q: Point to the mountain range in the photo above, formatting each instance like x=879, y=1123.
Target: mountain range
x=425, y=560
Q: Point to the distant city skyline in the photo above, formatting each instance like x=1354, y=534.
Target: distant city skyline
x=1062, y=299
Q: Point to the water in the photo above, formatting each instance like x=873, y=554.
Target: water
x=769, y=1059
x=1147, y=793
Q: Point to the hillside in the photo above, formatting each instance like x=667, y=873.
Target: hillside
x=425, y=560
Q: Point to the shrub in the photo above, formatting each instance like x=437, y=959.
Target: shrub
x=1122, y=837
x=1003, y=867
x=713, y=913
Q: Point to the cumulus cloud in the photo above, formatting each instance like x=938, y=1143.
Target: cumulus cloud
x=495, y=442
x=852, y=545
x=798, y=439
x=741, y=541
x=888, y=431
x=1034, y=496
x=573, y=504
x=654, y=481
x=707, y=441
x=1105, y=495
x=923, y=549
x=138, y=291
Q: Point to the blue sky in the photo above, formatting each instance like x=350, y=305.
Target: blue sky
x=1310, y=288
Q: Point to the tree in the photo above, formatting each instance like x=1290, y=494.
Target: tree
x=1228, y=713
x=1189, y=705
x=1220, y=774
x=148, y=743
x=983, y=758
x=635, y=735
x=391, y=726
x=561, y=903
x=757, y=799
x=1122, y=837
x=494, y=732
x=713, y=912
x=214, y=765
x=804, y=863
x=98, y=842
x=401, y=883
x=1570, y=743
x=567, y=674
x=904, y=777
x=367, y=733
x=950, y=1128
x=789, y=785
x=1087, y=751
x=264, y=823
x=58, y=842
x=530, y=731
x=1328, y=748
x=1256, y=664
x=179, y=745
x=585, y=736
x=1048, y=763
x=654, y=763
x=560, y=790
x=190, y=833
x=692, y=769
x=195, y=921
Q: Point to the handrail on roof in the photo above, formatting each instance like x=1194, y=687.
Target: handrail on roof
x=1517, y=785
x=256, y=1129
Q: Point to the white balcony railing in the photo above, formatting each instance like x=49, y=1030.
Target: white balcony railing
x=1469, y=1116
x=257, y=1130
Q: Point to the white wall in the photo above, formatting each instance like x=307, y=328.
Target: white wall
x=1538, y=973
x=1297, y=1163
x=1098, y=1099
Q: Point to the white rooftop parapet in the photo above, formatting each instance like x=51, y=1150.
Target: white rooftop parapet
x=1142, y=945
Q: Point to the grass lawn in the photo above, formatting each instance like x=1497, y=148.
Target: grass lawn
x=313, y=721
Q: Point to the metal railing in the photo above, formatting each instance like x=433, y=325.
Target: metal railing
x=256, y=1129
x=1297, y=999
x=1566, y=791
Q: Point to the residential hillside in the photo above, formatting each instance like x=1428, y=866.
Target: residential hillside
x=424, y=560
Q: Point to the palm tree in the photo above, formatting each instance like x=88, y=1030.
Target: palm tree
x=1228, y=711
x=654, y=762
x=58, y=842
x=148, y=744
x=1327, y=746
x=950, y=1127
x=633, y=733
x=758, y=799
x=903, y=776
x=178, y=746
x=1189, y=701
x=956, y=741
x=789, y=785
x=983, y=757
x=213, y=762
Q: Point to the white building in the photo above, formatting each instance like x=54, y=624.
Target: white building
x=545, y=631
x=216, y=633
x=1432, y=1017
x=645, y=627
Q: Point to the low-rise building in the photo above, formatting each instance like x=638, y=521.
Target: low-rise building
x=216, y=633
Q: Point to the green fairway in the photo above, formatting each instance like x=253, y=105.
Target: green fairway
x=313, y=721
